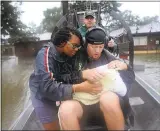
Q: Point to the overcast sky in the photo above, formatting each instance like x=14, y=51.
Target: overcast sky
x=33, y=11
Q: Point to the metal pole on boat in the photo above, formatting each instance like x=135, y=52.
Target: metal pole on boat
x=65, y=7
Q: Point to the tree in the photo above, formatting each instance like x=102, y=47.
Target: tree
x=112, y=24
x=10, y=18
x=39, y=29
x=105, y=6
x=130, y=19
x=52, y=16
x=93, y=5
x=32, y=28
x=147, y=20
x=109, y=5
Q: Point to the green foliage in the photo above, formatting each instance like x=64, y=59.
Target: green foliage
x=52, y=16
x=83, y=5
x=32, y=28
x=93, y=5
x=39, y=29
x=106, y=7
x=130, y=19
x=147, y=20
x=10, y=18
x=109, y=5
x=12, y=25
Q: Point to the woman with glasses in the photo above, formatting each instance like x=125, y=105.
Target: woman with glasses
x=54, y=74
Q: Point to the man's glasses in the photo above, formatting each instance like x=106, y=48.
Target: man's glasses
x=74, y=46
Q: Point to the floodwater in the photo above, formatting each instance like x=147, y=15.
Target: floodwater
x=15, y=91
x=151, y=74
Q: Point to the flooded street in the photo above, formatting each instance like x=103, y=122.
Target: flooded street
x=15, y=91
x=151, y=73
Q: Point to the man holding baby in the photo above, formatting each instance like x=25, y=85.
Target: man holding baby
x=110, y=106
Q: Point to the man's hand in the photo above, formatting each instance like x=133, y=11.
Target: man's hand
x=92, y=75
x=88, y=87
x=118, y=65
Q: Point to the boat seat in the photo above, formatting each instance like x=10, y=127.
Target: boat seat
x=99, y=127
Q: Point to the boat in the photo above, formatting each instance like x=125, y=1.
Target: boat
x=144, y=100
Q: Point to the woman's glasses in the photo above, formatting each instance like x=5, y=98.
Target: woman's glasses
x=74, y=46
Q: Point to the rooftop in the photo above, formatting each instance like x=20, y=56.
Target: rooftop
x=151, y=27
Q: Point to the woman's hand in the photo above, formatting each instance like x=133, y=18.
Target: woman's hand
x=118, y=65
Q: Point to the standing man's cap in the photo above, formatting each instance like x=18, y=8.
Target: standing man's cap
x=89, y=14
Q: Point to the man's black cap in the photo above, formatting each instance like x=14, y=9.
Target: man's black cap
x=96, y=36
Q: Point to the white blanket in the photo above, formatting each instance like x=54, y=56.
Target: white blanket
x=111, y=82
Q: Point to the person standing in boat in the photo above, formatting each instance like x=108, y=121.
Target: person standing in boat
x=112, y=107
x=54, y=74
x=90, y=21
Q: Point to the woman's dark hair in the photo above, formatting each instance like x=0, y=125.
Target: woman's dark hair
x=64, y=35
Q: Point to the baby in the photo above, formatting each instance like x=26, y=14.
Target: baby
x=111, y=82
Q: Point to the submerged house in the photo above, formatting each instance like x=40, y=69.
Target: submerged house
x=146, y=37
x=30, y=46
x=6, y=48
x=24, y=46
